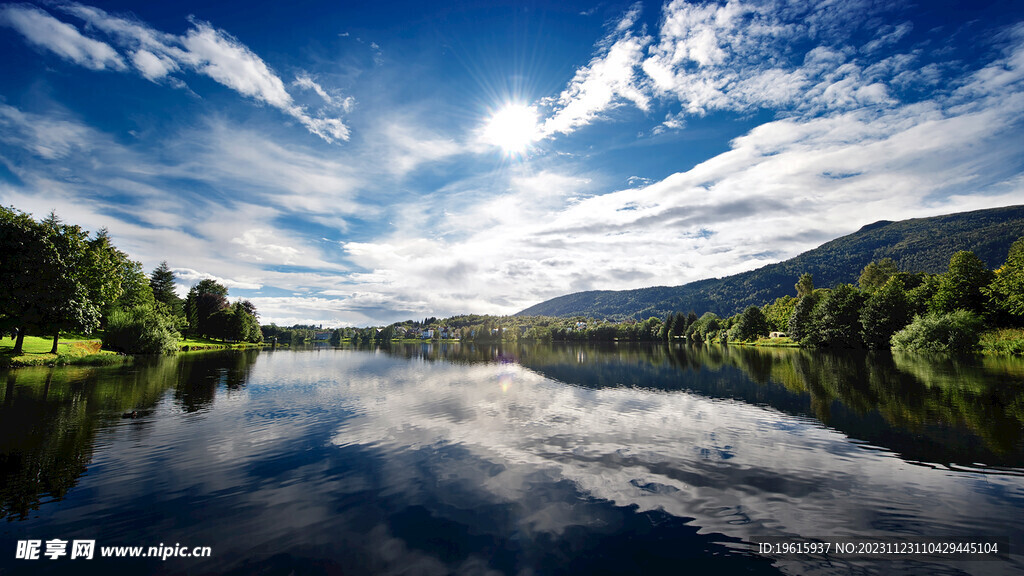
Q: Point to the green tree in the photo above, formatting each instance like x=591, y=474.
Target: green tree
x=960, y=287
x=204, y=300
x=805, y=285
x=67, y=305
x=836, y=319
x=778, y=313
x=161, y=282
x=112, y=278
x=876, y=274
x=1005, y=293
x=885, y=312
x=751, y=324
x=800, y=323
x=921, y=296
x=705, y=329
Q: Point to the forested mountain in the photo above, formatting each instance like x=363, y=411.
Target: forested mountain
x=917, y=245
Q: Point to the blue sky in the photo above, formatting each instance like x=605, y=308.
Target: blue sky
x=366, y=162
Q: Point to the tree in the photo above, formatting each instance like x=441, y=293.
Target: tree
x=799, y=325
x=41, y=284
x=1005, y=293
x=161, y=282
x=805, y=285
x=751, y=324
x=66, y=303
x=961, y=285
x=876, y=274
x=203, y=301
x=778, y=313
x=835, y=320
x=884, y=313
x=920, y=297
x=705, y=328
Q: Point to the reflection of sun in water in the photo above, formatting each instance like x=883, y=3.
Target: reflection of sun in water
x=513, y=128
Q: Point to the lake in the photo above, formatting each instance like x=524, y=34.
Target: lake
x=534, y=459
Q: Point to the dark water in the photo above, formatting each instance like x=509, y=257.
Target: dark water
x=521, y=460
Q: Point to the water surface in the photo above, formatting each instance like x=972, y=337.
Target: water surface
x=440, y=459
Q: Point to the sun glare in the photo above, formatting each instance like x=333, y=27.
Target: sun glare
x=513, y=128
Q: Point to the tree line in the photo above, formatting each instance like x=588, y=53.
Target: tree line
x=57, y=278
x=888, y=308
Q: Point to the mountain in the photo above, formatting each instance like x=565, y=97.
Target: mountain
x=917, y=245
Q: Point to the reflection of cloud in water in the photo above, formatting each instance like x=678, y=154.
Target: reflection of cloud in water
x=738, y=469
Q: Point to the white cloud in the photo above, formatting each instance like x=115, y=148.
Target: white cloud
x=157, y=56
x=151, y=66
x=609, y=78
x=334, y=100
x=48, y=137
x=61, y=38
x=405, y=146
x=736, y=56
x=193, y=277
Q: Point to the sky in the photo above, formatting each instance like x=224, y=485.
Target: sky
x=361, y=163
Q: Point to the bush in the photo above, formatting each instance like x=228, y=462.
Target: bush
x=140, y=330
x=954, y=332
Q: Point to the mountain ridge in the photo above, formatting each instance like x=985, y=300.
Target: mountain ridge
x=916, y=244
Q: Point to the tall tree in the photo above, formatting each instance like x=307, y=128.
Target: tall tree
x=876, y=274
x=24, y=246
x=805, y=285
x=161, y=281
x=66, y=302
x=836, y=319
x=204, y=300
x=751, y=324
x=1006, y=291
x=799, y=325
x=884, y=313
x=961, y=285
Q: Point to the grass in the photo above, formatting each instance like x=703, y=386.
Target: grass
x=193, y=343
x=1004, y=341
x=70, y=350
x=85, y=350
x=783, y=342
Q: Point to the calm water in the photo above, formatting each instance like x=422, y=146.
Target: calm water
x=536, y=460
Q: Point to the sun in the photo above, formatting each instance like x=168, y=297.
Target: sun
x=513, y=128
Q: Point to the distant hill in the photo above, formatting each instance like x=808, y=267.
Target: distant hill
x=917, y=245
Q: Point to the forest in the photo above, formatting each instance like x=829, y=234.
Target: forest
x=56, y=278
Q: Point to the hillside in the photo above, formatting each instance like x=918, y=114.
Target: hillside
x=917, y=245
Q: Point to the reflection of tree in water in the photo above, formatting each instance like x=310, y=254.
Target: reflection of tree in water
x=199, y=378
x=926, y=409
x=49, y=417
x=48, y=423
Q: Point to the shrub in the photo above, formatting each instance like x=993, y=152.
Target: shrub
x=140, y=330
x=954, y=332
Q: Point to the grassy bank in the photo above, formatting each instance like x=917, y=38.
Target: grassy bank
x=193, y=344
x=70, y=350
x=86, y=351
x=1003, y=341
x=783, y=342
